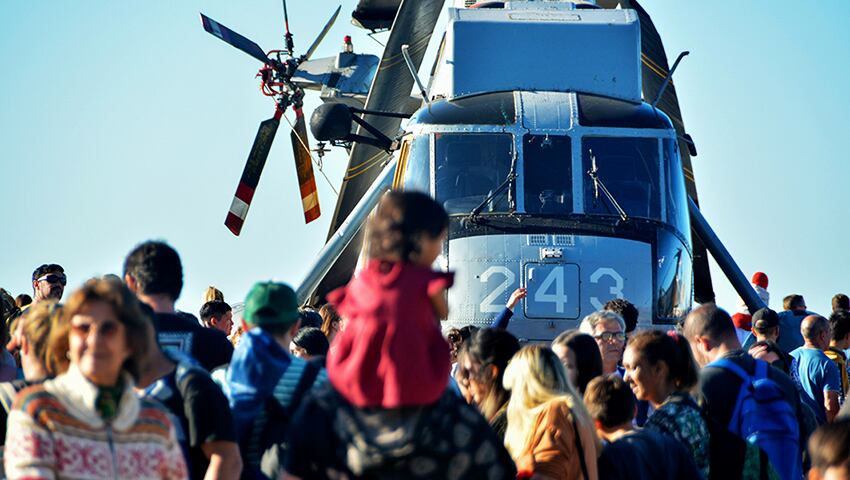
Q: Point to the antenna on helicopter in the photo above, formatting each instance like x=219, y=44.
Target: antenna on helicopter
x=668, y=77
x=409, y=62
x=290, y=44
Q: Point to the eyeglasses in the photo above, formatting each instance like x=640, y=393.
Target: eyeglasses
x=53, y=278
x=106, y=329
x=609, y=336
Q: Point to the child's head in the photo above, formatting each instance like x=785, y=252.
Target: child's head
x=829, y=447
x=407, y=227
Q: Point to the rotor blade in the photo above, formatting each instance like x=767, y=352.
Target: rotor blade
x=375, y=14
x=390, y=92
x=251, y=174
x=654, y=71
x=322, y=34
x=304, y=168
x=234, y=38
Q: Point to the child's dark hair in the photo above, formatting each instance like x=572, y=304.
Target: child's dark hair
x=828, y=446
x=399, y=221
x=609, y=400
x=671, y=348
x=312, y=340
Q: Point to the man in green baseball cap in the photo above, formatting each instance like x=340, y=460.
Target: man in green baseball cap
x=272, y=306
x=262, y=369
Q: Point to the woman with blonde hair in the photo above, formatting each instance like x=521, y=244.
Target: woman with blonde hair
x=31, y=333
x=550, y=434
x=212, y=293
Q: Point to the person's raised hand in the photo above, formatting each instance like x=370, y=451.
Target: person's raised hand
x=516, y=296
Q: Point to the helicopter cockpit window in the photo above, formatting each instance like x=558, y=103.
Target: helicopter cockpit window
x=469, y=167
x=628, y=168
x=548, y=174
x=676, y=197
x=417, y=165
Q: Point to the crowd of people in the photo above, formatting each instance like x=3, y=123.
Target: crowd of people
x=115, y=382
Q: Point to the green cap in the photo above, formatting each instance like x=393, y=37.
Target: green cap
x=270, y=303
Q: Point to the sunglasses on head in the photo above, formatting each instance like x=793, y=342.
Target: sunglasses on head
x=53, y=278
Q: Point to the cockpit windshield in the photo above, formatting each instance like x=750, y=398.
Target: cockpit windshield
x=547, y=165
x=628, y=167
x=469, y=167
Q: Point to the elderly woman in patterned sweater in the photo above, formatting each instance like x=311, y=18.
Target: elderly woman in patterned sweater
x=88, y=422
x=661, y=369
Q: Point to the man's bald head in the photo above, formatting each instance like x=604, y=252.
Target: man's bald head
x=815, y=330
x=709, y=321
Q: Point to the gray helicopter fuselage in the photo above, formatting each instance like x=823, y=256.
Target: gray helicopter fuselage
x=550, y=230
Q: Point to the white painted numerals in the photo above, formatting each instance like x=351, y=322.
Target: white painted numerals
x=487, y=305
x=559, y=297
x=616, y=290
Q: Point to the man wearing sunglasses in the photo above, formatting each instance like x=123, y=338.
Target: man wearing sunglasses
x=48, y=282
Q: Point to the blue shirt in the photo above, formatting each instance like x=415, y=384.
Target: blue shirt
x=789, y=329
x=814, y=373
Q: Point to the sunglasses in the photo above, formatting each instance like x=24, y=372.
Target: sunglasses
x=106, y=329
x=53, y=278
x=608, y=336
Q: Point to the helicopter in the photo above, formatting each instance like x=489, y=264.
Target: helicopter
x=567, y=172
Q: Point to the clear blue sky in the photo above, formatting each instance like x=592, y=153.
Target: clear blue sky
x=124, y=122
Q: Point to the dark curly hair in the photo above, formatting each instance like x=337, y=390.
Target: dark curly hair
x=45, y=269
x=401, y=218
x=626, y=310
x=156, y=269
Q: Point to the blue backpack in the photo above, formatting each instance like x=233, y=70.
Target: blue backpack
x=764, y=418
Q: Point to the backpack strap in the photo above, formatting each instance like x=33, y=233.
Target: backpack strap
x=761, y=369
x=731, y=366
x=746, y=379
x=580, y=449
x=290, y=389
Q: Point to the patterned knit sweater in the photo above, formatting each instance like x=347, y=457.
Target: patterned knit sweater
x=54, y=431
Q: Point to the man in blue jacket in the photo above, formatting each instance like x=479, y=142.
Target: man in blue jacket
x=264, y=383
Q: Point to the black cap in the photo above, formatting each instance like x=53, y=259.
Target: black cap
x=765, y=318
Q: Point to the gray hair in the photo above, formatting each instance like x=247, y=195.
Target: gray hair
x=588, y=325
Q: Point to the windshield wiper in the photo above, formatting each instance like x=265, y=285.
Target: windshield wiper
x=508, y=182
x=598, y=185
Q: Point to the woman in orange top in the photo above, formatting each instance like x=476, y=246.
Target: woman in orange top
x=549, y=434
